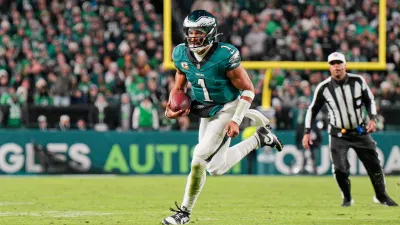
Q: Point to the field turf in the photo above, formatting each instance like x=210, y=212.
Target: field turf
x=227, y=200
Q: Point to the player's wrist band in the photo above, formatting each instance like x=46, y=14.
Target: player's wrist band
x=307, y=131
x=373, y=117
x=249, y=94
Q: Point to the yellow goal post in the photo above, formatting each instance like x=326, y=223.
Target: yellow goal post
x=269, y=65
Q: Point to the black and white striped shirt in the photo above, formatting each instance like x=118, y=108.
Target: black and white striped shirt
x=344, y=100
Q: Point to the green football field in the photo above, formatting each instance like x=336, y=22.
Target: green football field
x=225, y=200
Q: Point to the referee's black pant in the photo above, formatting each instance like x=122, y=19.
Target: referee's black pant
x=365, y=147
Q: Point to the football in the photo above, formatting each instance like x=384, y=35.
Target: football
x=179, y=101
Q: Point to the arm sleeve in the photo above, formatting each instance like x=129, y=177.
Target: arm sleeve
x=368, y=99
x=315, y=106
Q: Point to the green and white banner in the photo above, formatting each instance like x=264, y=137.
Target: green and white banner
x=154, y=153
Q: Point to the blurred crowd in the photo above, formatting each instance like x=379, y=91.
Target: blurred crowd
x=103, y=52
x=310, y=30
x=292, y=92
x=62, y=53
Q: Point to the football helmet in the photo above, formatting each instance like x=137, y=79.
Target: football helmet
x=200, y=30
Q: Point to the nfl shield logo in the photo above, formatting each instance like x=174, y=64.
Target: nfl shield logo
x=185, y=65
x=198, y=66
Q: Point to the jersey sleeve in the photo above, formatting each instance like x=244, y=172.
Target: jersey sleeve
x=177, y=55
x=316, y=105
x=368, y=99
x=233, y=57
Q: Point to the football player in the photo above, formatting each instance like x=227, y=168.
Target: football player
x=223, y=93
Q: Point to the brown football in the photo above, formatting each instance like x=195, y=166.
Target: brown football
x=179, y=101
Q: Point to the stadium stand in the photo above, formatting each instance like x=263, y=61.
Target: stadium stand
x=104, y=58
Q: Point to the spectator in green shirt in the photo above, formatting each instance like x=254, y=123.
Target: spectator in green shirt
x=42, y=96
x=6, y=97
x=145, y=116
x=15, y=113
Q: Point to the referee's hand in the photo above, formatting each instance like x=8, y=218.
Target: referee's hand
x=307, y=141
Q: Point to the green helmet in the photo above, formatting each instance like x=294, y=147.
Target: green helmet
x=204, y=22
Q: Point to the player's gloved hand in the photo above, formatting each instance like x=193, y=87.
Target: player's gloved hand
x=232, y=129
x=307, y=141
x=371, y=126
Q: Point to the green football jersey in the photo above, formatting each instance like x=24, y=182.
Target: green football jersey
x=208, y=77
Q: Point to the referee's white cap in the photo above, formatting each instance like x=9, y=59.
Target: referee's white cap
x=336, y=56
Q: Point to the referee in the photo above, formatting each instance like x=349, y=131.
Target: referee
x=345, y=94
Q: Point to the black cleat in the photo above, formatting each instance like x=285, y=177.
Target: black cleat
x=181, y=216
x=347, y=203
x=267, y=138
x=386, y=200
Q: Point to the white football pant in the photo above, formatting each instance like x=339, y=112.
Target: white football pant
x=212, y=133
x=211, y=152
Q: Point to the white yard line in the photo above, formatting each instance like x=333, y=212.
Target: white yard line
x=19, y=214
x=77, y=213
x=15, y=203
x=58, y=213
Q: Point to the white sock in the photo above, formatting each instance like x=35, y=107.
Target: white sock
x=194, y=185
x=238, y=152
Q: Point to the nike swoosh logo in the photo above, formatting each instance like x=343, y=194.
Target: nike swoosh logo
x=269, y=139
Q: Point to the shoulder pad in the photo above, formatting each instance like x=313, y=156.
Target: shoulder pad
x=229, y=49
x=231, y=55
x=177, y=52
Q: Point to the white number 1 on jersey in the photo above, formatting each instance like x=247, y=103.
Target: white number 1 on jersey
x=206, y=95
